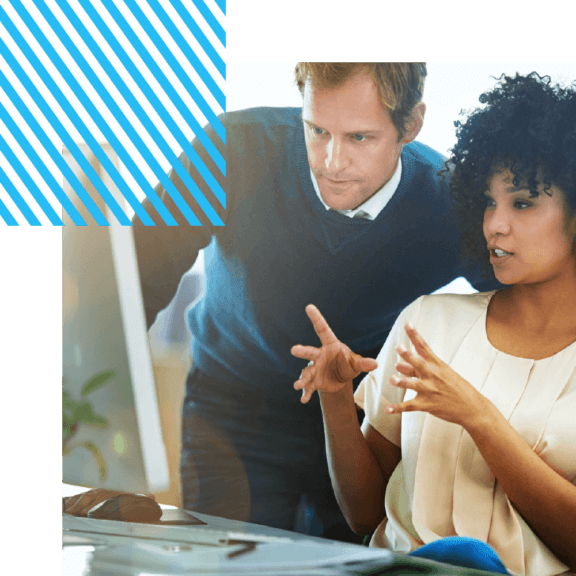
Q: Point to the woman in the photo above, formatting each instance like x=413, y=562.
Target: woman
x=470, y=426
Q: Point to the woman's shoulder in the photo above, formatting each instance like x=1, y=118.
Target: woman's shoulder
x=459, y=302
x=449, y=314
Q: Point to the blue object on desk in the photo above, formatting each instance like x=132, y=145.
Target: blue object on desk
x=462, y=551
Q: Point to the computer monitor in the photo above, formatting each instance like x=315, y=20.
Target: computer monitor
x=112, y=436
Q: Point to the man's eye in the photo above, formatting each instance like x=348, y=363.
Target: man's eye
x=360, y=138
x=317, y=131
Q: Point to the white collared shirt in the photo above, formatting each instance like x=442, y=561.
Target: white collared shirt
x=375, y=204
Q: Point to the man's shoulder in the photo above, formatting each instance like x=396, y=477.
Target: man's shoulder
x=425, y=155
x=423, y=169
x=264, y=116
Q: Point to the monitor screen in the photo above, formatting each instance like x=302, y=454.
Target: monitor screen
x=112, y=436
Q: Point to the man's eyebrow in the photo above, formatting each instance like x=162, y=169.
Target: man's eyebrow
x=361, y=132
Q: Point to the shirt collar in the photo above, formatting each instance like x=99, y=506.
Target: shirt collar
x=375, y=204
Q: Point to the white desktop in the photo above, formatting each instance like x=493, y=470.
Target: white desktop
x=112, y=432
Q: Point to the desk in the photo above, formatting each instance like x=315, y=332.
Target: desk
x=89, y=549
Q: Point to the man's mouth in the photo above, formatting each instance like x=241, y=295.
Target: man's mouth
x=333, y=181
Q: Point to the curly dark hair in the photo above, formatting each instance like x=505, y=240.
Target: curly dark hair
x=527, y=126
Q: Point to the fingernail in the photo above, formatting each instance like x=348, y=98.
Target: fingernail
x=400, y=349
x=389, y=409
x=411, y=326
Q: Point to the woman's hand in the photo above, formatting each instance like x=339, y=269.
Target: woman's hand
x=332, y=366
x=439, y=390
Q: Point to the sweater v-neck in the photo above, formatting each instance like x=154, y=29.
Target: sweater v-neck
x=334, y=230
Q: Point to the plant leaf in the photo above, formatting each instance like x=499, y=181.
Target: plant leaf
x=96, y=381
x=85, y=414
x=100, y=461
x=69, y=415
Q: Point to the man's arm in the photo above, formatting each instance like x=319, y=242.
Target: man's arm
x=165, y=252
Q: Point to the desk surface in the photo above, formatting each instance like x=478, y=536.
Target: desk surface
x=99, y=554
x=90, y=548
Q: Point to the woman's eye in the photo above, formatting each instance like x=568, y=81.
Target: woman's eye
x=489, y=202
x=521, y=204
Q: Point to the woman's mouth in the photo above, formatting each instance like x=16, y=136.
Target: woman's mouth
x=499, y=254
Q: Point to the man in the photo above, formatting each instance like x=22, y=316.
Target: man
x=333, y=204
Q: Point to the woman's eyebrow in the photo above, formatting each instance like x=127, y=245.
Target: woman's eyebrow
x=518, y=188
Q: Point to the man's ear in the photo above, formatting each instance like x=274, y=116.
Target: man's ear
x=416, y=123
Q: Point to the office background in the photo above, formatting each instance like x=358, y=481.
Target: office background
x=450, y=88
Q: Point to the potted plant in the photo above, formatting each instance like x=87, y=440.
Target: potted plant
x=75, y=413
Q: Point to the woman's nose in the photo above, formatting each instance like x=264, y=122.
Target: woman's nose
x=496, y=221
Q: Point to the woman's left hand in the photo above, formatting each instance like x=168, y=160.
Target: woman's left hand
x=439, y=390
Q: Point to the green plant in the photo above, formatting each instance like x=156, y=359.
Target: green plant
x=75, y=413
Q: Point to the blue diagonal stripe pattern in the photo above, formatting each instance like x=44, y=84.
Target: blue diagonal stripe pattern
x=144, y=76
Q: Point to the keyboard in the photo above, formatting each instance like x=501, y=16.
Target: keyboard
x=189, y=534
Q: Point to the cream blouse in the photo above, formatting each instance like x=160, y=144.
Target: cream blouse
x=443, y=486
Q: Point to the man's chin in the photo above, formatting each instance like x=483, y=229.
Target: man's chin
x=340, y=201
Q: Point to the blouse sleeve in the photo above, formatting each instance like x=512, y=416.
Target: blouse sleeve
x=375, y=392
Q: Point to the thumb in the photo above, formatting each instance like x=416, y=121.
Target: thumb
x=361, y=364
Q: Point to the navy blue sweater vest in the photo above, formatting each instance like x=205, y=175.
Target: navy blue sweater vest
x=281, y=250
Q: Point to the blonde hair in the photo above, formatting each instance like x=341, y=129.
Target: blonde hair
x=401, y=84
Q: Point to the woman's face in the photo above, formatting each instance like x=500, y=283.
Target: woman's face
x=529, y=238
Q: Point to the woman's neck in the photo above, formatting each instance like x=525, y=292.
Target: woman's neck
x=546, y=305
x=533, y=321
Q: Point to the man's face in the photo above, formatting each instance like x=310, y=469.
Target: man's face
x=352, y=144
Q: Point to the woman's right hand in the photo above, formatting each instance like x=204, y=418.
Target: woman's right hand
x=332, y=366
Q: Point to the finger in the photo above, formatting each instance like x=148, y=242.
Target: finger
x=405, y=369
x=408, y=406
x=81, y=504
x=305, y=352
x=420, y=344
x=307, y=394
x=305, y=379
x=78, y=508
x=361, y=364
x=320, y=325
x=417, y=362
x=407, y=383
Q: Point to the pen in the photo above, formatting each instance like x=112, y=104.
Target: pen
x=248, y=547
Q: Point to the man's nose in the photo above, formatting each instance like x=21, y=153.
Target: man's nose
x=336, y=156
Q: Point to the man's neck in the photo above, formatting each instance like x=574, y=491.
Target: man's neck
x=370, y=208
